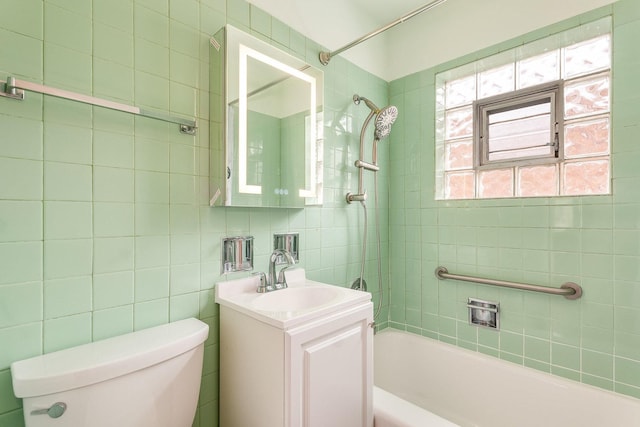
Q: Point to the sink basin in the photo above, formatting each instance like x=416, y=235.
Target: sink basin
x=295, y=299
x=302, y=301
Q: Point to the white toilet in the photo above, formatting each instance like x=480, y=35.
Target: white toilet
x=145, y=378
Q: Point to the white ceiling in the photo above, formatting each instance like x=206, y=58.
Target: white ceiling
x=448, y=31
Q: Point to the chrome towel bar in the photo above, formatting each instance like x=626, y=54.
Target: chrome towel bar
x=15, y=88
x=569, y=290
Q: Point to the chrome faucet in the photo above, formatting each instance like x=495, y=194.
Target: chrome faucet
x=270, y=283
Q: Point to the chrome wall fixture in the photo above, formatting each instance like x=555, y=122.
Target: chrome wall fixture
x=289, y=242
x=484, y=313
x=325, y=57
x=569, y=290
x=237, y=254
x=15, y=88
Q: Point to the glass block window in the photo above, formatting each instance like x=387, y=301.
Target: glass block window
x=529, y=122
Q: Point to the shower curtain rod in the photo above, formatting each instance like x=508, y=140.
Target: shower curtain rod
x=15, y=88
x=325, y=57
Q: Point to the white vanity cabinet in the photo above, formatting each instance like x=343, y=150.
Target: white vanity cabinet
x=286, y=372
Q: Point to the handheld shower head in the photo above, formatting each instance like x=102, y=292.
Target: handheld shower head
x=385, y=118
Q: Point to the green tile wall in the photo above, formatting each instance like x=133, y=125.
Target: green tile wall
x=105, y=226
x=589, y=240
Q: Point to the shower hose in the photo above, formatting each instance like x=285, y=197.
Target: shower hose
x=364, y=246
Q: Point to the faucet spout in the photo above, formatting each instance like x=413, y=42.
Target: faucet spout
x=280, y=282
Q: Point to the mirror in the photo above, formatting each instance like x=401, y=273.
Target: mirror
x=266, y=125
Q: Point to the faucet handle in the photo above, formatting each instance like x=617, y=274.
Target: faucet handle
x=282, y=280
x=263, y=286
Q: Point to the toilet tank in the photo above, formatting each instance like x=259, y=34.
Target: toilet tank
x=145, y=378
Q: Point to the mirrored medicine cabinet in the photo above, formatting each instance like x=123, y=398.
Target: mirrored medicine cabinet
x=266, y=125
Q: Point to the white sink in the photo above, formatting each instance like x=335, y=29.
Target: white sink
x=303, y=300
x=295, y=299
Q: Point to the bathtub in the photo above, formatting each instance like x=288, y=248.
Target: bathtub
x=420, y=382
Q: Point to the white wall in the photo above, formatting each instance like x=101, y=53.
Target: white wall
x=449, y=31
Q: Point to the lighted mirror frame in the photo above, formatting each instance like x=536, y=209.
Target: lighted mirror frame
x=245, y=52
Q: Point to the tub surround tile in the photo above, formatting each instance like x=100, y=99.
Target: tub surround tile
x=24, y=53
x=627, y=389
x=151, y=251
x=112, y=44
x=67, y=182
x=238, y=13
x=115, y=13
x=184, y=39
x=151, y=91
x=151, y=313
x=20, y=342
x=67, y=28
x=184, y=279
x=68, y=220
x=112, y=149
x=151, y=25
x=113, y=290
x=112, y=322
x=113, y=184
x=67, y=68
x=185, y=12
x=64, y=297
x=20, y=262
x=113, y=219
x=6, y=389
x=151, y=58
x=22, y=303
x=151, y=219
x=24, y=17
x=22, y=138
x=68, y=143
x=113, y=254
x=20, y=221
x=25, y=178
x=184, y=306
x=151, y=187
x=65, y=332
x=68, y=258
x=151, y=284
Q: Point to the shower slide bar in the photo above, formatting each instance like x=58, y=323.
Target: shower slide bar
x=325, y=57
x=15, y=88
x=569, y=290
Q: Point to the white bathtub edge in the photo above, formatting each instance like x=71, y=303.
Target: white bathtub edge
x=391, y=411
x=438, y=376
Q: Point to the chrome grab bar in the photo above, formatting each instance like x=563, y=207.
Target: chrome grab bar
x=569, y=290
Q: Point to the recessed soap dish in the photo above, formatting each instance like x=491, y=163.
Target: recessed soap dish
x=484, y=313
x=237, y=254
x=288, y=242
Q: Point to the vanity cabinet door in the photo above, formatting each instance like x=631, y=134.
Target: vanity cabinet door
x=331, y=371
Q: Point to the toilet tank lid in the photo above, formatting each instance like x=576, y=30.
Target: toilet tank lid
x=102, y=360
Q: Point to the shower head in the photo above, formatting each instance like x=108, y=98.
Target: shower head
x=385, y=118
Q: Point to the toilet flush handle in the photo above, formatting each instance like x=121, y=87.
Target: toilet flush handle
x=55, y=411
